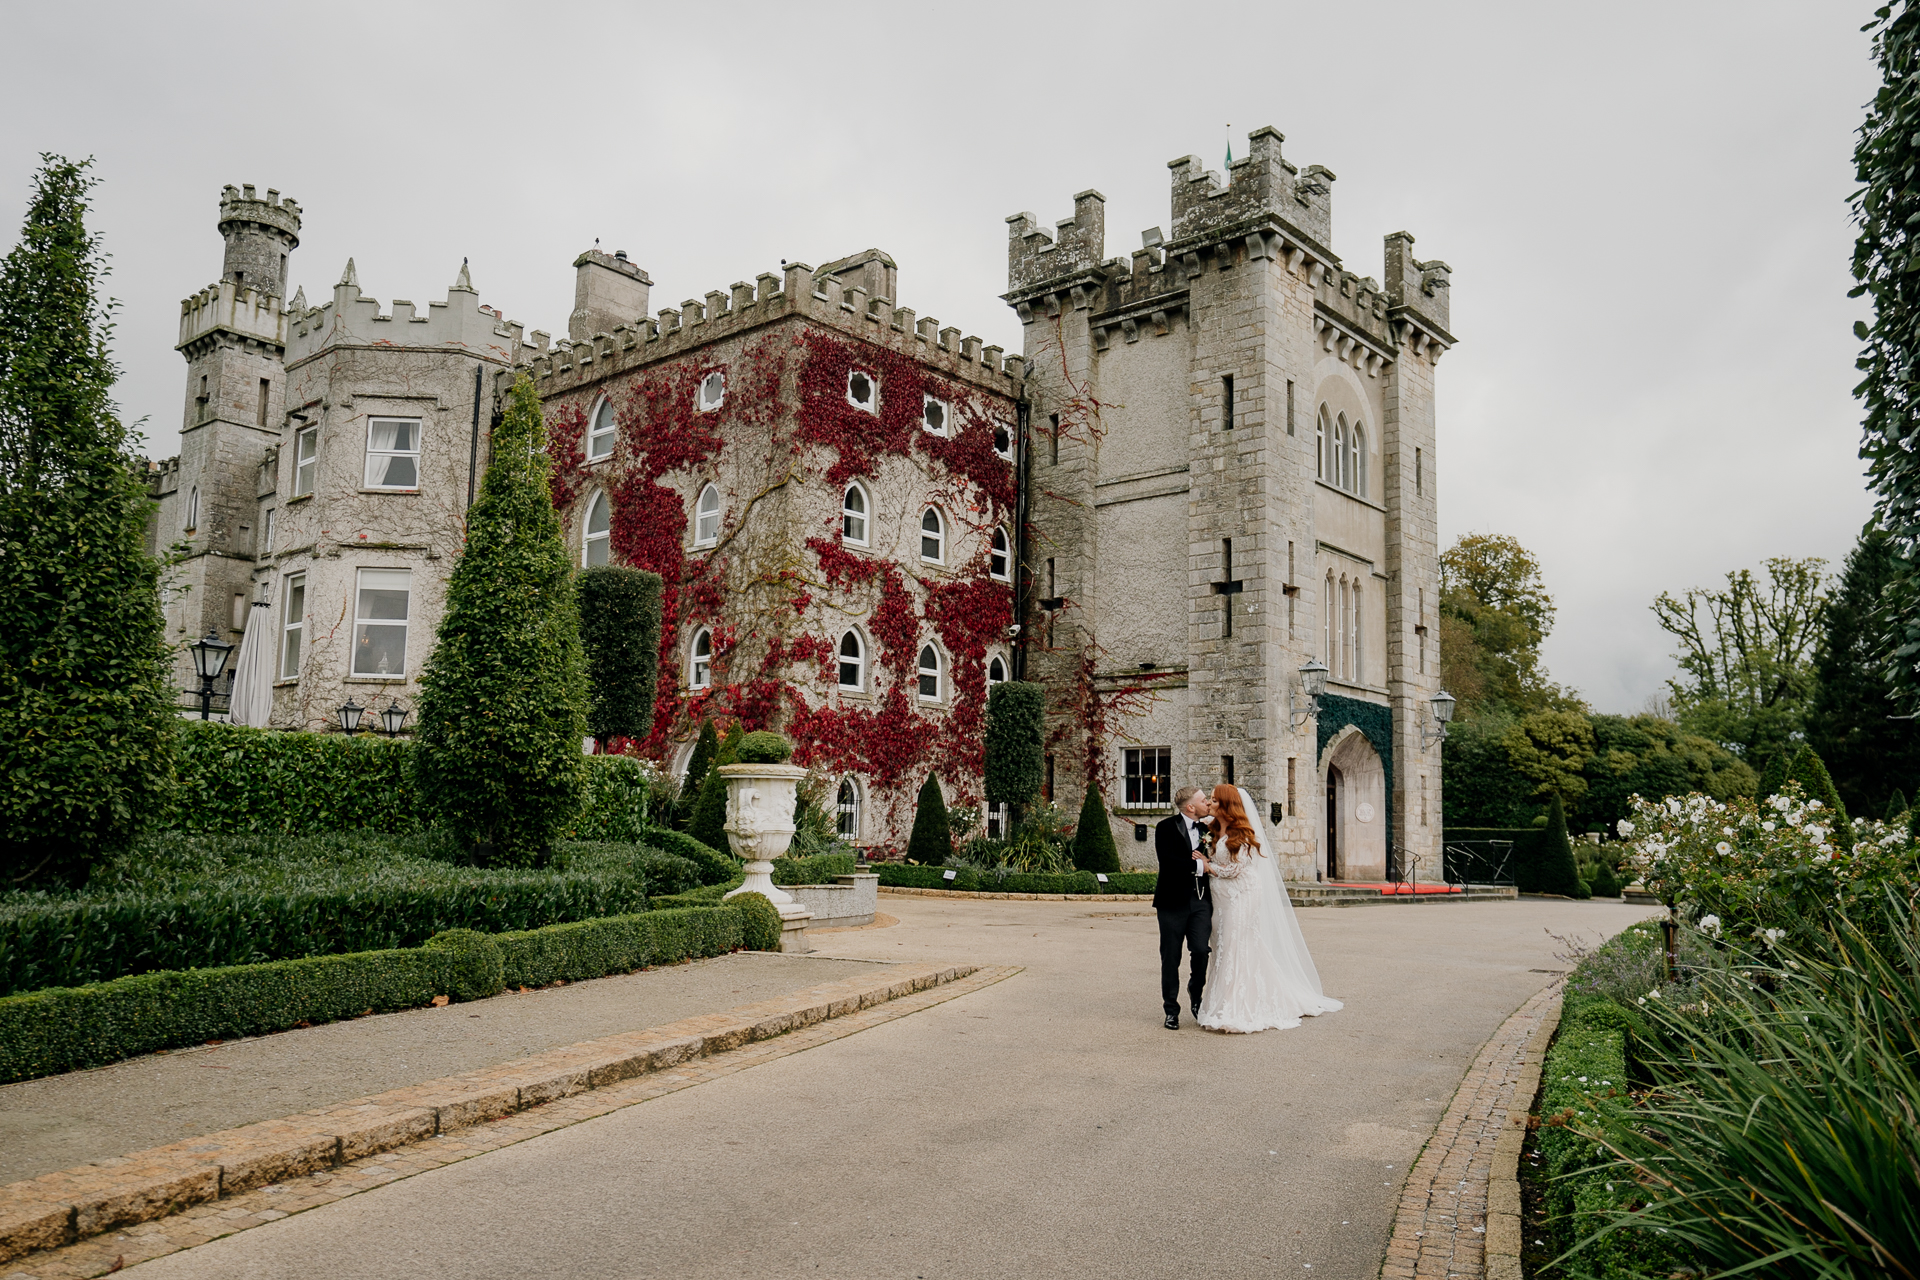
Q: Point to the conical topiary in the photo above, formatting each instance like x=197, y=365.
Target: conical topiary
x=1810, y=772
x=705, y=747
x=1773, y=775
x=932, y=840
x=709, y=823
x=1093, y=847
x=1558, y=872
x=1896, y=806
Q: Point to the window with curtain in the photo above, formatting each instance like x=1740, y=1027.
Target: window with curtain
x=393, y=453
x=380, y=622
x=596, y=539
x=706, y=518
x=600, y=435
x=306, y=460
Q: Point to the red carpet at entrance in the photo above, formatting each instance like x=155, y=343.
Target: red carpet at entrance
x=1397, y=888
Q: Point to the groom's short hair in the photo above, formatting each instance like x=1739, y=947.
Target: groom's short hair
x=1185, y=794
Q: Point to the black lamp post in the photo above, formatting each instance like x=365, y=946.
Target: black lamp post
x=350, y=716
x=209, y=660
x=1313, y=683
x=1442, y=703
x=393, y=719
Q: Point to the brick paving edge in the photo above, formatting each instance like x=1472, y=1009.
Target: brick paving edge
x=70, y=1205
x=1506, y=1232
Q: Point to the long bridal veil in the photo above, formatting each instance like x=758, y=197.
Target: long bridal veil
x=1284, y=939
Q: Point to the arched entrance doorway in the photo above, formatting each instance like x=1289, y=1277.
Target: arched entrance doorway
x=1356, y=812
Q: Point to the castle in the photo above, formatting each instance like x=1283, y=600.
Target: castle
x=1208, y=475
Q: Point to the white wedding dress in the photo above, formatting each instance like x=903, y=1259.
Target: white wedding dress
x=1260, y=975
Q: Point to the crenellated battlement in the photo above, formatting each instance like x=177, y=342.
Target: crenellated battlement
x=240, y=205
x=1259, y=185
x=352, y=319
x=1076, y=247
x=233, y=309
x=1419, y=292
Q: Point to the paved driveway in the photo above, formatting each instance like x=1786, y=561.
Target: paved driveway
x=1047, y=1126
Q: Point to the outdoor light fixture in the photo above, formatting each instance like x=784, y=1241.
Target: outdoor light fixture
x=1313, y=683
x=393, y=718
x=350, y=716
x=209, y=660
x=1442, y=703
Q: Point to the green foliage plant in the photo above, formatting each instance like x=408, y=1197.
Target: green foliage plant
x=1896, y=807
x=1773, y=777
x=820, y=869
x=1810, y=772
x=1550, y=749
x=476, y=970
x=614, y=799
x=763, y=747
x=1015, y=764
x=85, y=693
x=714, y=866
x=235, y=778
x=706, y=746
x=620, y=635
x=1869, y=752
x=1557, y=871
x=931, y=841
x=760, y=926
x=709, y=821
x=1093, y=847
x=503, y=696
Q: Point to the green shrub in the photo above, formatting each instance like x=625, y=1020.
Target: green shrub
x=763, y=747
x=241, y=779
x=1896, y=807
x=760, y=923
x=1810, y=772
x=662, y=872
x=1016, y=719
x=85, y=690
x=930, y=841
x=503, y=695
x=903, y=876
x=707, y=895
x=615, y=800
x=1774, y=776
x=70, y=1028
x=706, y=746
x=475, y=969
x=817, y=870
x=900, y=875
x=709, y=822
x=1093, y=848
x=714, y=866
x=1551, y=868
x=620, y=635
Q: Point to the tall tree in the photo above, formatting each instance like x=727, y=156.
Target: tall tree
x=85, y=714
x=503, y=697
x=1015, y=767
x=1746, y=654
x=1887, y=208
x=1850, y=721
x=620, y=631
x=1494, y=615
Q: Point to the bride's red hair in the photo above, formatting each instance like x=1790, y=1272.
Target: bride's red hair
x=1232, y=827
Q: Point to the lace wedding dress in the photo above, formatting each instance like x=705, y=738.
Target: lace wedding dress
x=1261, y=975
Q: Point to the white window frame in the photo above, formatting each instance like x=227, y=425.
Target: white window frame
x=588, y=538
x=405, y=624
x=937, y=671
x=293, y=625
x=705, y=535
x=848, y=516
x=367, y=472
x=266, y=533
x=1003, y=429
x=1320, y=425
x=858, y=661
x=1001, y=550
x=927, y=406
x=306, y=461
x=700, y=665
x=847, y=812
x=872, y=403
x=938, y=533
x=707, y=397
x=602, y=427
x=1358, y=435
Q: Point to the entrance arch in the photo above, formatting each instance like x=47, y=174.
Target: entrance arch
x=1355, y=843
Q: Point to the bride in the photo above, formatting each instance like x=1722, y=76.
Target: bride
x=1261, y=975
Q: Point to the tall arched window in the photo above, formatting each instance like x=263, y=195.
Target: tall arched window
x=700, y=668
x=1342, y=446
x=1346, y=621
x=595, y=537
x=933, y=537
x=1359, y=460
x=848, y=803
x=1359, y=632
x=929, y=674
x=999, y=559
x=853, y=515
x=996, y=672
x=1328, y=603
x=193, y=509
x=853, y=661
x=706, y=518
x=1320, y=444
x=600, y=434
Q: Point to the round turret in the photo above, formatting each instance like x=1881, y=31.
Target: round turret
x=259, y=235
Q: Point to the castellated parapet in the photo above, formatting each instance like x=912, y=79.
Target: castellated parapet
x=252, y=318
x=259, y=235
x=352, y=319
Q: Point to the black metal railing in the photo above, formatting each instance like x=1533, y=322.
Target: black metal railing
x=1478, y=862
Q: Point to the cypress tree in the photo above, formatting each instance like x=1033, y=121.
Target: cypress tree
x=86, y=720
x=1016, y=716
x=503, y=697
x=1093, y=847
x=1896, y=805
x=1773, y=776
x=705, y=747
x=620, y=632
x=932, y=839
x=1558, y=873
x=1849, y=718
x=709, y=822
x=1811, y=773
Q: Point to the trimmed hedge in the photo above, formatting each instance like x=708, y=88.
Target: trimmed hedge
x=904, y=876
x=820, y=869
x=716, y=866
x=69, y=1028
x=760, y=922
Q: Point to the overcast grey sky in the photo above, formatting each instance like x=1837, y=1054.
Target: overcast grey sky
x=1643, y=204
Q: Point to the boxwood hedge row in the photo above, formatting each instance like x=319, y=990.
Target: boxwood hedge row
x=914, y=877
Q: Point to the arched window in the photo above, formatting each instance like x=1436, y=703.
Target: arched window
x=706, y=518
x=933, y=537
x=700, y=669
x=193, y=509
x=713, y=391
x=929, y=674
x=1343, y=665
x=853, y=661
x=1342, y=477
x=600, y=434
x=863, y=391
x=848, y=803
x=1359, y=460
x=996, y=672
x=1328, y=603
x=1320, y=445
x=853, y=515
x=998, y=560
x=1359, y=632
x=595, y=536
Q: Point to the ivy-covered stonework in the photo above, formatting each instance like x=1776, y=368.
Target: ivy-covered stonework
x=1375, y=722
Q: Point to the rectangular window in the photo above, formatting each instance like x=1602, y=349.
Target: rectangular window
x=266, y=387
x=200, y=401
x=1226, y=402
x=293, y=624
x=1419, y=473
x=1149, y=776
x=1293, y=810
x=1423, y=799
x=1046, y=786
x=306, y=460
x=1226, y=767
x=1053, y=440
x=266, y=534
x=1289, y=406
x=393, y=453
x=380, y=622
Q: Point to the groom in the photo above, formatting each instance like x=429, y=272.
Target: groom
x=1181, y=900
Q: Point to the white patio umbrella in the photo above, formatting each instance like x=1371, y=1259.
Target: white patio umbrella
x=252, y=699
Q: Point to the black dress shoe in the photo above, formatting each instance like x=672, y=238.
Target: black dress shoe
x=1173, y=1022
x=1196, y=1009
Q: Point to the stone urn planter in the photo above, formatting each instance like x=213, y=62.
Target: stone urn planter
x=759, y=826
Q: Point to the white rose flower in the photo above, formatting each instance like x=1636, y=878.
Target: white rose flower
x=1710, y=925
x=1626, y=828
x=1723, y=848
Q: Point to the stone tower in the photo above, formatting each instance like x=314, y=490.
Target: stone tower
x=1232, y=473
x=233, y=334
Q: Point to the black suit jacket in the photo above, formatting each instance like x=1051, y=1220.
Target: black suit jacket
x=1175, y=890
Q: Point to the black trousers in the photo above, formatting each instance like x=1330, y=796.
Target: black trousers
x=1192, y=926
